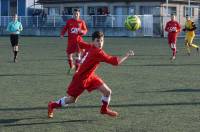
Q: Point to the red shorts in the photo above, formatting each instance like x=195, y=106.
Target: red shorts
x=72, y=48
x=77, y=86
x=172, y=38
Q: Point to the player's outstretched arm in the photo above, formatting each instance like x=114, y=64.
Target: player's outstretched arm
x=129, y=53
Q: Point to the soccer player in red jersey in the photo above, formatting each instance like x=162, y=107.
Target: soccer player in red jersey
x=76, y=28
x=86, y=79
x=173, y=28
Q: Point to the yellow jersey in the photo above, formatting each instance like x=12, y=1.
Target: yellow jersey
x=190, y=27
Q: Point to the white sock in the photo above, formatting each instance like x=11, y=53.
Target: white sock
x=106, y=99
x=62, y=101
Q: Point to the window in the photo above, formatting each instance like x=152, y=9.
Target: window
x=150, y=10
x=98, y=10
x=171, y=10
x=131, y=10
x=189, y=11
x=69, y=10
x=124, y=10
x=53, y=11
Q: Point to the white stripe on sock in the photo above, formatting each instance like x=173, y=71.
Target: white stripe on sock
x=62, y=101
x=106, y=99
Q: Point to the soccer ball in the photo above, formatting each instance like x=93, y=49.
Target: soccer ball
x=132, y=23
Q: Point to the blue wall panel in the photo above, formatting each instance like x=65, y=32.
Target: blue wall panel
x=4, y=7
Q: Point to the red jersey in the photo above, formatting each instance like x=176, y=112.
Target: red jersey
x=92, y=59
x=72, y=27
x=85, y=78
x=173, y=28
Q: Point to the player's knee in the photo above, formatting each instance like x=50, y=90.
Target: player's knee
x=16, y=48
x=74, y=100
x=71, y=100
x=70, y=56
x=108, y=92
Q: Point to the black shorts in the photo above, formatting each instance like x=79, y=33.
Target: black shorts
x=14, y=39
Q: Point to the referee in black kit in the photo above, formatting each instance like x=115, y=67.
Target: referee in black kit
x=14, y=28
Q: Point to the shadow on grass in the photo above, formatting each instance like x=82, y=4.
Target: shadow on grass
x=161, y=65
x=173, y=90
x=97, y=106
x=49, y=122
x=6, y=121
x=31, y=74
x=182, y=90
x=45, y=59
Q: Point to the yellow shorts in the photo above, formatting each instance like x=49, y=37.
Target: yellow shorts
x=189, y=38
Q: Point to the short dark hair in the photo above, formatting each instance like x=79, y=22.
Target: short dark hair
x=97, y=34
x=77, y=10
x=172, y=14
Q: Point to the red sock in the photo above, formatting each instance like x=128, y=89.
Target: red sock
x=56, y=105
x=70, y=63
x=174, y=51
x=104, y=106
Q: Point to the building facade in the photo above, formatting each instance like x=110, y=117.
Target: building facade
x=120, y=7
x=158, y=8
x=20, y=7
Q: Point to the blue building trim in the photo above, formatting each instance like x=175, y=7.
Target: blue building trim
x=5, y=7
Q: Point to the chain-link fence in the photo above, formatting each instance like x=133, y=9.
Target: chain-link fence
x=151, y=25
x=109, y=23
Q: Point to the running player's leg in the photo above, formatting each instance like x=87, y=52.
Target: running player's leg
x=187, y=46
x=77, y=60
x=191, y=44
x=95, y=83
x=105, y=99
x=70, y=62
x=62, y=102
x=14, y=41
x=74, y=91
x=173, y=47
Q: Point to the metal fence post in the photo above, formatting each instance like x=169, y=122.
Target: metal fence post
x=54, y=21
x=37, y=22
x=112, y=18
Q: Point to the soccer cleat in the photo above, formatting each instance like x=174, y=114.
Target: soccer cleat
x=50, y=110
x=70, y=70
x=172, y=58
x=188, y=54
x=109, y=112
x=15, y=60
